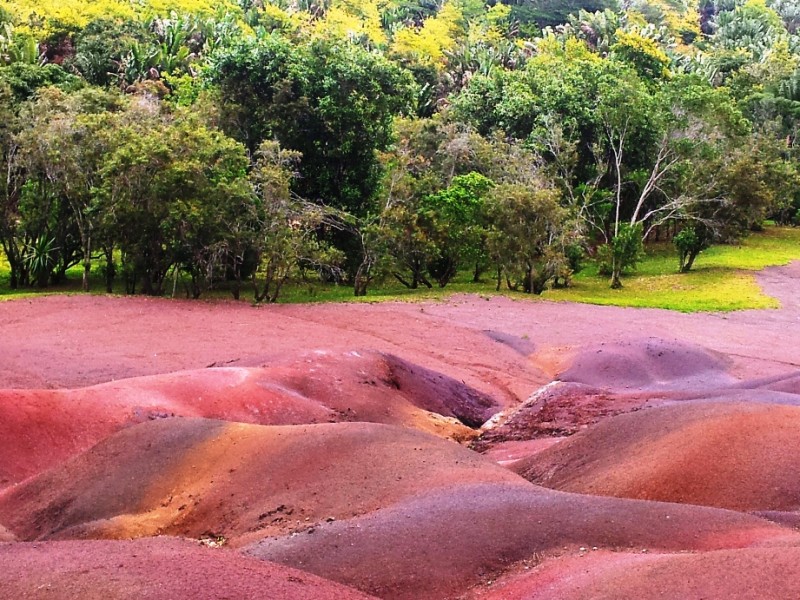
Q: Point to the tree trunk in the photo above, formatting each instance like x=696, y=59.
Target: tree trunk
x=109, y=254
x=360, y=286
x=479, y=269
x=616, y=282
x=87, y=262
x=412, y=285
x=687, y=266
x=448, y=272
x=197, y=288
x=362, y=278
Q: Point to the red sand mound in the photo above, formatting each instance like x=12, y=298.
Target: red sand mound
x=748, y=574
x=74, y=341
x=154, y=569
x=440, y=544
x=190, y=477
x=766, y=396
x=735, y=455
x=382, y=388
x=789, y=385
x=647, y=363
x=6, y=535
x=564, y=408
x=41, y=428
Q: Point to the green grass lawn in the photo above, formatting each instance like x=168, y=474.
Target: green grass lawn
x=722, y=280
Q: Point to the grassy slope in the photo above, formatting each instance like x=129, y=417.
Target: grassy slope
x=723, y=279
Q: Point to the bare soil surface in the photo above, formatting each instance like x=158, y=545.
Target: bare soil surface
x=335, y=439
x=191, y=477
x=439, y=544
x=154, y=569
x=74, y=341
x=737, y=455
x=747, y=574
x=319, y=387
x=6, y=535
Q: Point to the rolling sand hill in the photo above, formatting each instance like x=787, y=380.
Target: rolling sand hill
x=190, y=477
x=441, y=543
x=319, y=387
x=659, y=450
x=736, y=455
x=746, y=574
x=154, y=569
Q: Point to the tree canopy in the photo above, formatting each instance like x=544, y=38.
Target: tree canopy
x=218, y=142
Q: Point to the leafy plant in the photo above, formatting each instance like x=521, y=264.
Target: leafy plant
x=39, y=258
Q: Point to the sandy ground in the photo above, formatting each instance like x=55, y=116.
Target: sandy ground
x=154, y=569
x=73, y=341
x=335, y=439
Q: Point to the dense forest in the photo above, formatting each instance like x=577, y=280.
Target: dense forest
x=241, y=144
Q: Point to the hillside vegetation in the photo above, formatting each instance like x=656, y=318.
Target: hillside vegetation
x=158, y=146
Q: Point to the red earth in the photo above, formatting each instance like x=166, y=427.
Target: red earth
x=737, y=455
x=334, y=439
x=189, y=477
x=321, y=387
x=153, y=569
x=746, y=574
x=442, y=543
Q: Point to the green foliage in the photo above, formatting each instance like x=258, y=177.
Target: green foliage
x=527, y=236
x=624, y=251
x=519, y=102
x=454, y=220
x=40, y=259
x=332, y=101
x=226, y=142
x=101, y=47
x=25, y=79
x=169, y=189
x=544, y=13
x=283, y=238
x=689, y=244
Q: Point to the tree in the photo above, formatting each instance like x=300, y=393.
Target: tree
x=285, y=225
x=11, y=187
x=395, y=226
x=333, y=101
x=527, y=236
x=65, y=141
x=408, y=217
x=683, y=124
x=102, y=47
x=690, y=242
x=454, y=219
x=169, y=188
x=625, y=109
